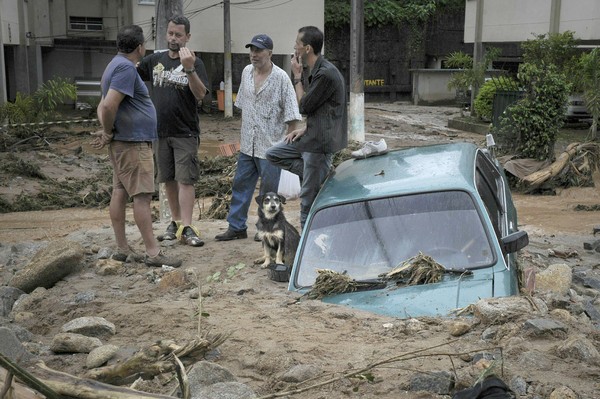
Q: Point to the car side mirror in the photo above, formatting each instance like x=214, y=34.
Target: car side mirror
x=514, y=242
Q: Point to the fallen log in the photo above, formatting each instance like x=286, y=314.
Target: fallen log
x=70, y=385
x=539, y=177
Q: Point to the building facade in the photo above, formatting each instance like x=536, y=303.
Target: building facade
x=44, y=39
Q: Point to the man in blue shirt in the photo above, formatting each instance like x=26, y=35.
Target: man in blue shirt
x=128, y=121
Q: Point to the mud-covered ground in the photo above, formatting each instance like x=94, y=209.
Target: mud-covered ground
x=270, y=330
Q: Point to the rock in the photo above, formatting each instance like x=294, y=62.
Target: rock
x=84, y=297
x=104, y=253
x=100, y=355
x=489, y=333
x=556, y=278
x=12, y=348
x=73, y=343
x=543, y=327
x=8, y=297
x=90, y=326
x=52, y=263
x=207, y=373
x=458, y=328
x=504, y=309
x=225, y=390
x=518, y=385
x=578, y=348
x=27, y=302
x=592, y=312
x=563, y=392
x=440, y=382
x=108, y=267
x=301, y=372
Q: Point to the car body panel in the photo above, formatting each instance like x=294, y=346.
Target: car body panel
x=576, y=108
x=439, y=171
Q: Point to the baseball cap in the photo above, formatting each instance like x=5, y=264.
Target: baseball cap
x=261, y=41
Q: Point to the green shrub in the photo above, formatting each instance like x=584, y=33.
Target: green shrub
x=485, y=98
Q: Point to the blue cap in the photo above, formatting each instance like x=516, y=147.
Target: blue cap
x=261, y=41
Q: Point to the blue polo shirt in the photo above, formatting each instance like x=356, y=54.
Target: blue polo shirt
x=136, y=116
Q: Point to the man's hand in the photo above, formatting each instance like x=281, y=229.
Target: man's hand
x=296, y=65
x=100, y=139
x=295, y=135
x=187, y=58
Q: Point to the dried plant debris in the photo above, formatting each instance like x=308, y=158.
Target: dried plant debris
x=420, y=269
x=329, y=282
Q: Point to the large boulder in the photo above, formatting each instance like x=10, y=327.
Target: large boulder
x=52, y=263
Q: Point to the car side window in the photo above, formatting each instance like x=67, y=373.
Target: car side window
x=491, y=189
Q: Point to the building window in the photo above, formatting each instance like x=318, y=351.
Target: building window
x=85, y=23
x=146, y=2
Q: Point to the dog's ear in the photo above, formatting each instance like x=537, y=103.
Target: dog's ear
x=281, y=198
x=259, y=199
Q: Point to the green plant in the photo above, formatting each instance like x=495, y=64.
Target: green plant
x=472, y=75
x=535, y=120
x=590, y=83
x=558, y=49
x=386, y=12
x=485, y=98
x=41, y=105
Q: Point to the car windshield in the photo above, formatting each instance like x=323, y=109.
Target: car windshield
x=365, y=239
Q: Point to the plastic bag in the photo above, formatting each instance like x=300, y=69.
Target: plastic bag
x=289, y=185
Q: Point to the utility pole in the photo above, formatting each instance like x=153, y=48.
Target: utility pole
x=165, y=9
x=3, y=96
x=227, y=61
x=357, y=95
x=477, y=46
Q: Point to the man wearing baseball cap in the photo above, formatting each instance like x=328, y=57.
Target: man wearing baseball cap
x=269, y=112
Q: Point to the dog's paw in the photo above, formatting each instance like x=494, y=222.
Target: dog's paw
x=258, y=261
x=265, y=265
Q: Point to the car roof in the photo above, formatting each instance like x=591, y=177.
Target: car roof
x=399, y=172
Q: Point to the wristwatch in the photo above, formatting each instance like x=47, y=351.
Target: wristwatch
x=190, y=71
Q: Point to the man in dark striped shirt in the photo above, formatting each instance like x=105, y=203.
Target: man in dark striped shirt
x=308, y=151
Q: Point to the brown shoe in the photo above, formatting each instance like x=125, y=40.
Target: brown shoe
x=127, y=255
x=160, y=260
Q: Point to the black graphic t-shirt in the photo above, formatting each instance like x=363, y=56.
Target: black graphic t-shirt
x=176, y=106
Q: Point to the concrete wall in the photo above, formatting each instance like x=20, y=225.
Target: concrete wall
x=280, y=20
x=430, y=86
x=518, y=20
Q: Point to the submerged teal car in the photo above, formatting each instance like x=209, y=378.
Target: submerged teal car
x=450, y=202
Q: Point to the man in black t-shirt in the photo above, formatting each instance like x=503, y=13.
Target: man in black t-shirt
x=179, y=83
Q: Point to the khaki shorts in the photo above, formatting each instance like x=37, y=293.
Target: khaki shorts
x=177, y=159
x=133, y=166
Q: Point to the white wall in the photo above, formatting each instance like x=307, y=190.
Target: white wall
x=519, y=20
x=9, y=21
x=280, y=19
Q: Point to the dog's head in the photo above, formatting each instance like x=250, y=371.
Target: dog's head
x=270, y=203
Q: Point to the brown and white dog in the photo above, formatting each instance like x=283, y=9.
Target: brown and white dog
x=279, y=238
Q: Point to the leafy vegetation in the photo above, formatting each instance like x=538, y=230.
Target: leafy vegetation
x=533, y=122
x=485, y=98
x=386, y=12
x=41, y=105
x=472, y=75
x=589, y=73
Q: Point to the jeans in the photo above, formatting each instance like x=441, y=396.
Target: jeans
x=312, y=168
x=249, y=169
